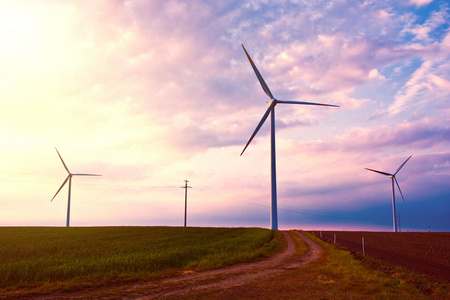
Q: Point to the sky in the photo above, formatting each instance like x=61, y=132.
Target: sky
x=151, y=93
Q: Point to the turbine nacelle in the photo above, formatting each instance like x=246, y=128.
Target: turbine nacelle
x=273, y=101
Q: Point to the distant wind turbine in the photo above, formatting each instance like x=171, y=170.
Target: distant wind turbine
x=69, y=177
x=392, y=176
x=271, y=110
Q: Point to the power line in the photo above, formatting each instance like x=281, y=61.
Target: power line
x=328, y=215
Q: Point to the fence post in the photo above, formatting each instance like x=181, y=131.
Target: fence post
x=363, y=246
x=320, y=234
x=335, y=238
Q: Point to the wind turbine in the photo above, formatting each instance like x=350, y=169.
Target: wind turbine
x=69, y=178
x=271, y=110
x=392, y=176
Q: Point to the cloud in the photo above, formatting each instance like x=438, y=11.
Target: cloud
x=423, y=31
x=419, y=3
x=413, y=135
x=374, y=74
x=429, y=81
x=409, y=137
x=166, y=79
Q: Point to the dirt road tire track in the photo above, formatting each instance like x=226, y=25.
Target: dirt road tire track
x=211, y=281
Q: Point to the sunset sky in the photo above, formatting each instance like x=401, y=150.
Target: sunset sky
x=151, y=93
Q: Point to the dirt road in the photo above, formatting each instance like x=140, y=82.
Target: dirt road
x=208, y=283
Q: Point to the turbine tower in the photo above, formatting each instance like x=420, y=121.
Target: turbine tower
x=392, y=176
x=271, y=110
x=69, y=178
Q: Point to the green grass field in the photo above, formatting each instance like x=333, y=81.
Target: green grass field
x=43, y=255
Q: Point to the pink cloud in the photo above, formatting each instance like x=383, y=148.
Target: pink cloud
x=420, y=3
x=430, y=81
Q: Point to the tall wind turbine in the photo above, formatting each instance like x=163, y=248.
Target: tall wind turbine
x=69, y=178
x=271, y=110
x=392, y=176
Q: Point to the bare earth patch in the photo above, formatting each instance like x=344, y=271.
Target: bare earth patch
x=208, y=283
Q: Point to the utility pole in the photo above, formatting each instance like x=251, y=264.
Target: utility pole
x=185, y=187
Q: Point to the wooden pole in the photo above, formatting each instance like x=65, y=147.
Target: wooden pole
x=185, y=187
x=363, y=246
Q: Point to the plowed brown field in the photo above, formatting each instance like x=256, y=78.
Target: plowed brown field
x=421, y=252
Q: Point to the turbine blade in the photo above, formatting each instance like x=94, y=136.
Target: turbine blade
x=62, y=161
x=384, y=173
x=260, y=78
x=269, y=109
x=306, y=103
x=67, y=178
x=80, y=174
x=402, y=165
x=399, y=189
